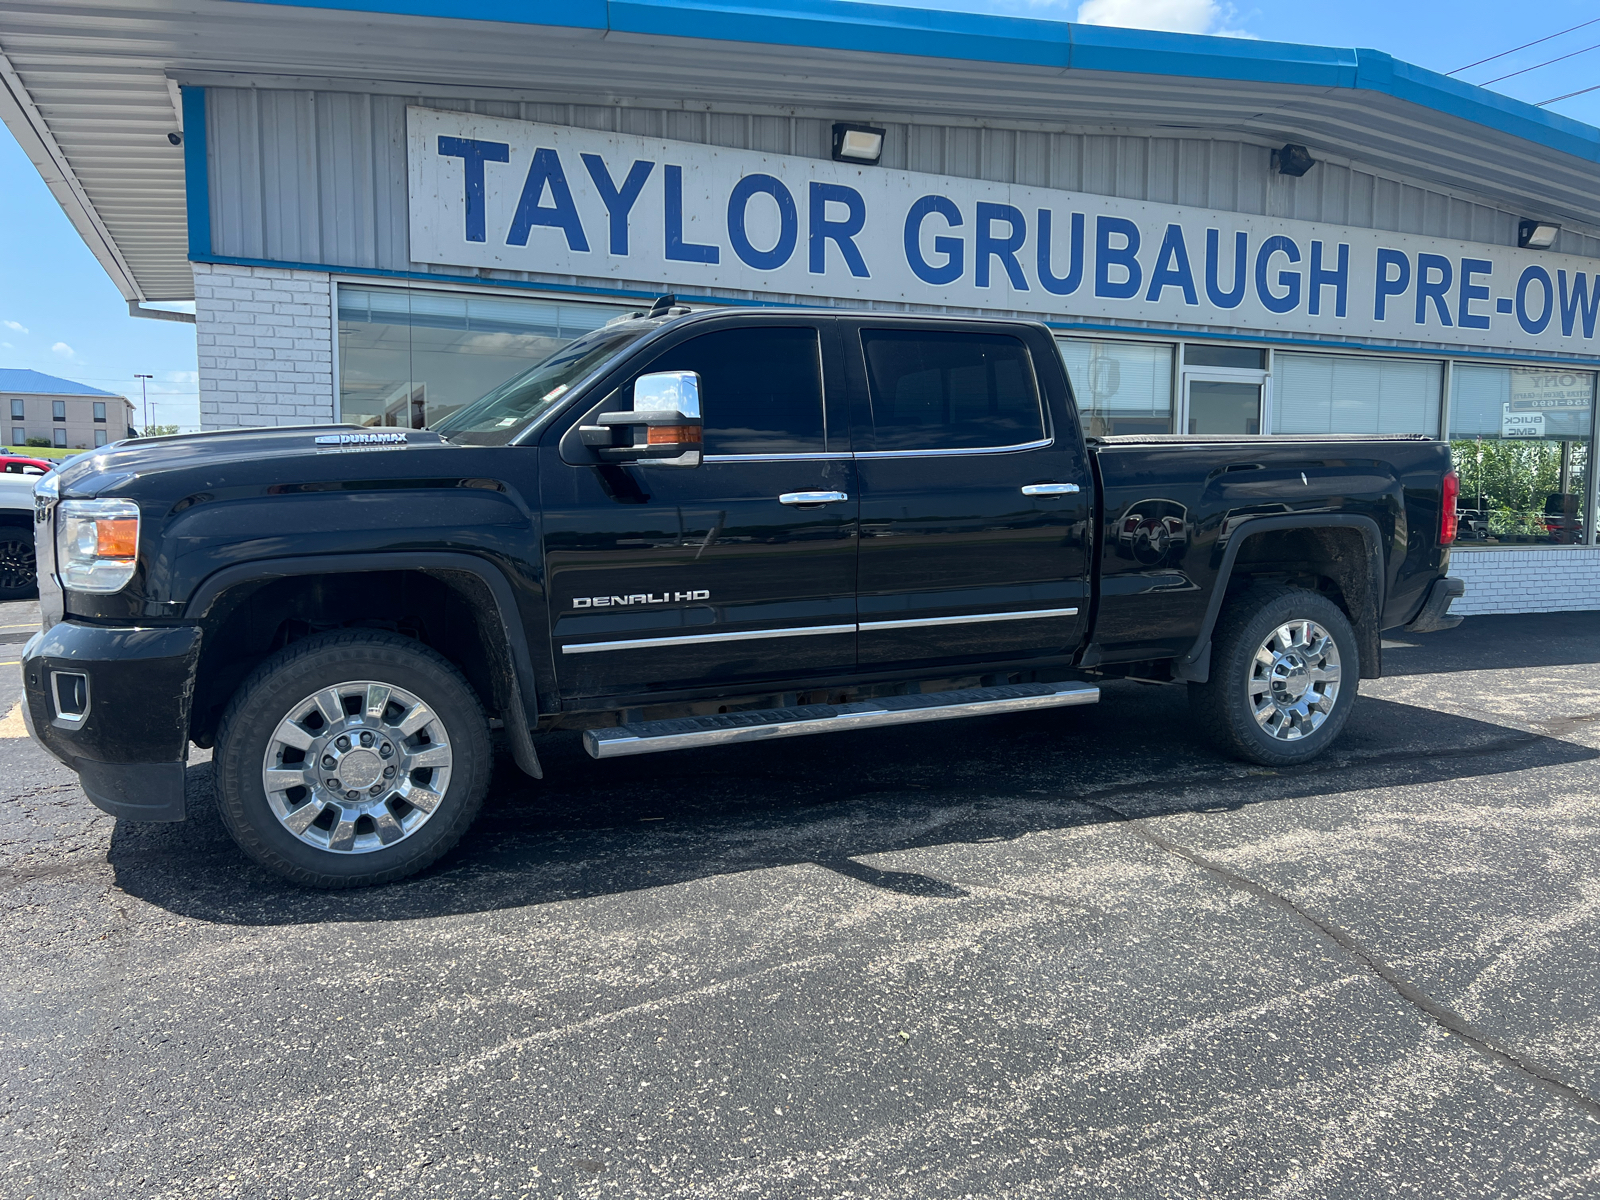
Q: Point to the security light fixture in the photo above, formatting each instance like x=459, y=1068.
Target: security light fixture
x=1537, y=235
x=175, y=138
x=857, y=143
x=1292, y=160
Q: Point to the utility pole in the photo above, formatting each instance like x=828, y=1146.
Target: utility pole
x=145, y=397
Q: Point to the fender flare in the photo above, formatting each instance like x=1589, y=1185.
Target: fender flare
x=1195, y=666
x=523, y=693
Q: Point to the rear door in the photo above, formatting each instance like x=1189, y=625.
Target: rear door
x=738, y=571
x=975, y=496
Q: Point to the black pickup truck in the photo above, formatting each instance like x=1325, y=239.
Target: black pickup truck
x=689, y=529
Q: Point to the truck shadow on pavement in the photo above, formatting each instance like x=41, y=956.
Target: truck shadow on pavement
x=598, y=828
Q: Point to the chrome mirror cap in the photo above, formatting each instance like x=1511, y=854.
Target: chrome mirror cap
x=668, y=391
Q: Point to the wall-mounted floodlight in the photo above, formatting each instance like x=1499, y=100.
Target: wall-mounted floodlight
x=1537, y=235
x=1292, y=160
x=857, y=143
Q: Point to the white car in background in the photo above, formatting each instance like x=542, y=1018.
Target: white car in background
x=18, y=571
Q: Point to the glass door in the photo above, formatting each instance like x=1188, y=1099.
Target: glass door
x=1224, y=402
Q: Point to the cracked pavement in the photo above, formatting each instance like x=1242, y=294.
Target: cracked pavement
x=1067, y=952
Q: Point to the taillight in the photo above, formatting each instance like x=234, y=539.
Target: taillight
x=1449, y=491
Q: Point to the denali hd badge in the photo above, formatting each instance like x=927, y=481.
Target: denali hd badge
x=362, y=439
x=638, y=598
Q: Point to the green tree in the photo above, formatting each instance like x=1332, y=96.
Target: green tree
x=159, y=431
x=1510, y=480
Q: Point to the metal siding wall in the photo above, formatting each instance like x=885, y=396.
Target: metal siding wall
x=320, y=177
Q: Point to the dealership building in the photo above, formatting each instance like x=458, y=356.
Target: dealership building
x=382, y=209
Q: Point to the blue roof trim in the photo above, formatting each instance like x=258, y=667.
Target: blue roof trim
x=1025, y=41
x=196, y=171
x=847, y=25
x=37, y=383
x=1187, y=335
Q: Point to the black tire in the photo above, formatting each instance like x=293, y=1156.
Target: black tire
x=280, y=687
x=19, y=572
x=1223, y=706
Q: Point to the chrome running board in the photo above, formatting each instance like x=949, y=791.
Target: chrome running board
x=682, y=733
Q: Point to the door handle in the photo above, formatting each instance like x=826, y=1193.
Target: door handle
x=1050, y=489
x=803, y=498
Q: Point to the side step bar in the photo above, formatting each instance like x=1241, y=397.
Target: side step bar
x=682, y=733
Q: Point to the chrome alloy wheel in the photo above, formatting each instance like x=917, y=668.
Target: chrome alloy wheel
x=1294, y=680
x=357, y=767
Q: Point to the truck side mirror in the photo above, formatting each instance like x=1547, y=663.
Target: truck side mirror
x=662, y=429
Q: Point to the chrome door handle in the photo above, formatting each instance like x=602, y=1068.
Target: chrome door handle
x=812, y=497
x=1050, y=489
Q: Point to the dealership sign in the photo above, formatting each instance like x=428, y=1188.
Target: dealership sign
x=513, y=195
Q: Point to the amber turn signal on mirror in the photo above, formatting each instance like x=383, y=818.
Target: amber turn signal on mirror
x=672, y=435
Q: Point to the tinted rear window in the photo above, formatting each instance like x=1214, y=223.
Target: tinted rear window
x=936, y=390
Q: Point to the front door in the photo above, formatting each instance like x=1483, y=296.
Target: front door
x=740, y=570
x=975, y=498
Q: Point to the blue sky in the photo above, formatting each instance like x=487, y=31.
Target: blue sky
x=60, y=314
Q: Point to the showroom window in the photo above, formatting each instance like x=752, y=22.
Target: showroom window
x=1336, y=393
x=410, y=357
x=1120, y=387
x=1520, y=438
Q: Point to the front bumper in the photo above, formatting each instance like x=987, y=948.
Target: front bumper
x=129, y=744
x=1435, y=614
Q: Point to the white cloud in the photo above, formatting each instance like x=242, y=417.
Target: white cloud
x=181, y=376
x=6, y=346
x=16, y=326
x=1173, y=16
x=64, y=350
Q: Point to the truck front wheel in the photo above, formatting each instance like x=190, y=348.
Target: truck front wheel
x=1283, y=676
x=351, y=758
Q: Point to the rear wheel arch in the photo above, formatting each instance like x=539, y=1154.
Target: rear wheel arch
x=1338, y=554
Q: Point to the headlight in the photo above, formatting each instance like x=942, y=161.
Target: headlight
x=97, y=544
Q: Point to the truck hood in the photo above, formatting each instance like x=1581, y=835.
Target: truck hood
x=109, y=468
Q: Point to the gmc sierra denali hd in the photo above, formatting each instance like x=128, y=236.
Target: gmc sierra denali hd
x=688, y=529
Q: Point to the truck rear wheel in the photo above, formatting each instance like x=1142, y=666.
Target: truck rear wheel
x=352, y=758
x=1284, y=668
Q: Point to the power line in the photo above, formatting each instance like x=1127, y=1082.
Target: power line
x=1524, y=46
x=1536, y=66
x=1568, y=96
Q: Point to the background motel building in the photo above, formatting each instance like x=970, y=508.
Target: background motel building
x=384, y=208
x=50, y=411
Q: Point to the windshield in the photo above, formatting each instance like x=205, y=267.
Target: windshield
x=495, y=419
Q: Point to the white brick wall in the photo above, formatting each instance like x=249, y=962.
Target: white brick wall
x=265, y=339
x=1557, y=579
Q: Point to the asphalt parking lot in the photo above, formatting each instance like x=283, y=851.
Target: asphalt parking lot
x=1072, y=952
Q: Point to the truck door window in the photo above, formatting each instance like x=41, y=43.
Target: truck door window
x=760, y=389
x=938, y=390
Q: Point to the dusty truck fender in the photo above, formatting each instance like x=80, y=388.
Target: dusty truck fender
x=1195, y=666
x=514, y=662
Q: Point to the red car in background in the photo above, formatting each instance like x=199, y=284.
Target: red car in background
x=21, y=464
